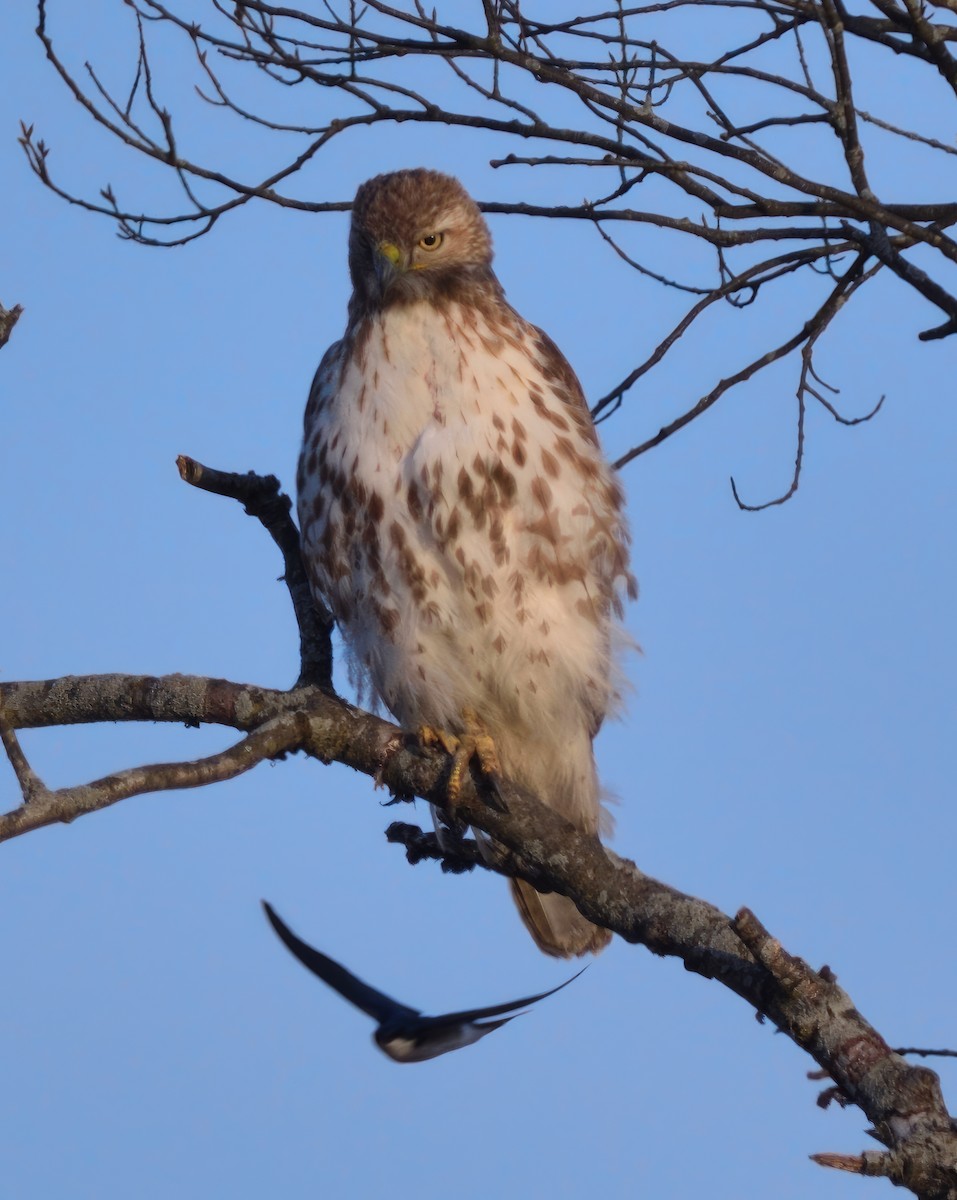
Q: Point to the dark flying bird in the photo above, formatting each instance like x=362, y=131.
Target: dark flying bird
x=404, y=1034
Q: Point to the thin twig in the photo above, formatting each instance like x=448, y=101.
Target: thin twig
x=43, y=806
x=8, y=318
x=262, y=498
x=31, y=786
x=926, y=1053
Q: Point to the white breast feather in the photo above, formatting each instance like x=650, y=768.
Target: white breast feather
x=424, y=401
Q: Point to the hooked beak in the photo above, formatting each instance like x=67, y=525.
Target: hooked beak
x=388, y=263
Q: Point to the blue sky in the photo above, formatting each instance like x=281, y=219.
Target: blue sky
x=788, y=744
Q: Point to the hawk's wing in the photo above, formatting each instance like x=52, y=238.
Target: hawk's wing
x=558, y=370
x=324, y=382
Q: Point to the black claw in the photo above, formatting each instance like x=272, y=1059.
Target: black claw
x=493, y=793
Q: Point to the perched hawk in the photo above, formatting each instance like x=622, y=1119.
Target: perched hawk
x=457, y=513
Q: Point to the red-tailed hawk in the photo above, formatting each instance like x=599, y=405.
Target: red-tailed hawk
x=457, y=512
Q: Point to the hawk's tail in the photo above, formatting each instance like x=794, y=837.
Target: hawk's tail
x=556, y=924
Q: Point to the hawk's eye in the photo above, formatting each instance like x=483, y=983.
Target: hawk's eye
x=431, y=241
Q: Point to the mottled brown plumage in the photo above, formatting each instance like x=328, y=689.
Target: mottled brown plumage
x=457, y=512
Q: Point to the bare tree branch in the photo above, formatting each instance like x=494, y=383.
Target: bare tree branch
x=41, y=806
x=710, y=135
x=261, y=498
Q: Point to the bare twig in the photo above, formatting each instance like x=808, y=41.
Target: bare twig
x=8, y=318
x=30, y=783
x=809, y=331
x=927, y=1053
x=261, y=497
x=809, y=378
x=42, y=806
x=871, y=1162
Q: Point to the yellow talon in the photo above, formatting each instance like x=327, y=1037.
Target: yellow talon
x=475, y=742
x=430, y=736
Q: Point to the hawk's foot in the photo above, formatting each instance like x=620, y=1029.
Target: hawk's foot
x=475, y=743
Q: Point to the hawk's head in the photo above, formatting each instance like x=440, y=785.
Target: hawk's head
x=416, y=235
